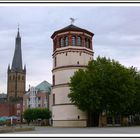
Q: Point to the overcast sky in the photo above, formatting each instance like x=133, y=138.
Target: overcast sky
x=116, y=29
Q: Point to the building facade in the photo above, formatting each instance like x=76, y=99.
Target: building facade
x=37, y=97
x=16, y=74
x=11, y=109
x=72, y=50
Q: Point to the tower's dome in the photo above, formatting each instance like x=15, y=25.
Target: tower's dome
x=71, y=27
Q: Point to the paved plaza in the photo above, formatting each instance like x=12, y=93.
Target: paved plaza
x=91, y=130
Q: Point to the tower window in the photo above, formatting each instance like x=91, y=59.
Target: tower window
x=61, y=42
x=53, y=79
x=73, y=41
x=22, y=77
x=66, y=41
x=79, y=41
x=88, y=43
x=55, y=61
x=14, y=77
x=53, y=99
x=85, y=42
x=19, y=77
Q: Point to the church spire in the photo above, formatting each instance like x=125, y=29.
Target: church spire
x=17, y=59
x=18, y=34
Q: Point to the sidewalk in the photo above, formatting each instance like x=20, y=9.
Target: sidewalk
x=7, y=129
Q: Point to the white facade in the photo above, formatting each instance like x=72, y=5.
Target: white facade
x=64, y=112
x=70, y=54
x=37, y=97
x=32, y=100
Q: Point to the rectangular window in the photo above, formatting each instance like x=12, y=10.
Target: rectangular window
x=53, y=99
x=18, y=105
x=55, y=62
x=53, y=80
x=18, y=112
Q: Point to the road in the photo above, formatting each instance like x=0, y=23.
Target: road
x=91, y=130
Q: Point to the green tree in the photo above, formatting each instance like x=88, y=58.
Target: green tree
x=135, y=109
x=105, y=86
x=45, y=113
x=36, y=113
x=28, y=115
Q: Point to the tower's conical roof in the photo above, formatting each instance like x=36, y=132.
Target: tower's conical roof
x=17, y=59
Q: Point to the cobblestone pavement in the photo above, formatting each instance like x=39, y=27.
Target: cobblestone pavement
x=91, y=130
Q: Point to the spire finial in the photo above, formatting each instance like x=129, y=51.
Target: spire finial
x=72, y=20
x=18, y=31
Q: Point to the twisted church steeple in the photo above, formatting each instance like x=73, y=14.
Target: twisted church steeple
x=16, y=74
x=17, y=59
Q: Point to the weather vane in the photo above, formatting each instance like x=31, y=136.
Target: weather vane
x=72, y=20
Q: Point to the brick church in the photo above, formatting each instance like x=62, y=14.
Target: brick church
x=16, y=80
x=16, y=74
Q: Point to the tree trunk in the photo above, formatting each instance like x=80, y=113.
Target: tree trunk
x=100, y=120
x=113, y=120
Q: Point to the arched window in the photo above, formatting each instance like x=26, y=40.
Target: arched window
x=85, y=42
x=73, y=41
x=79, y=41
x=88, y=43
x=61, y=42
x=19, y=77
x=22, y=77
x=66, y=41
x=13, y=77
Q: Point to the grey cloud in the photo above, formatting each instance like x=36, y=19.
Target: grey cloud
x=117, y=35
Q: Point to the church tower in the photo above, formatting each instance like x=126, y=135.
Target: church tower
x=16, y=74
x=72, y=50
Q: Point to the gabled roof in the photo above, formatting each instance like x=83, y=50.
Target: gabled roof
x=71, y=27
x=44, y=87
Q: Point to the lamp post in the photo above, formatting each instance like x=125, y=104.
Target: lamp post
x=11, y=121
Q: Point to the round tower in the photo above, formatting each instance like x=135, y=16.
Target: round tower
x=72, y=50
